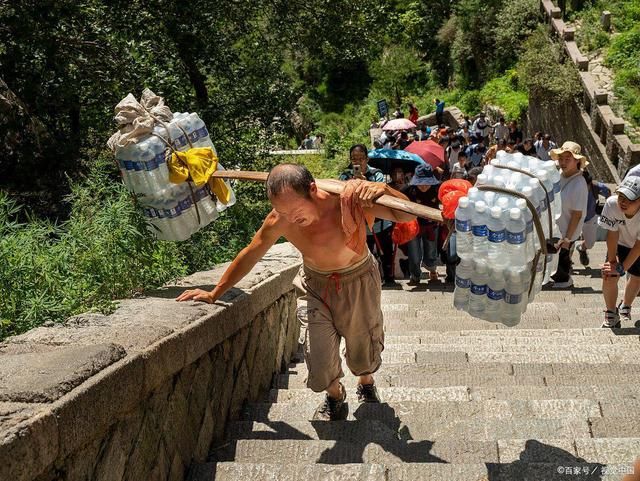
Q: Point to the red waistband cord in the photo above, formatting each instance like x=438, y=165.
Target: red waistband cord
x=335, y=277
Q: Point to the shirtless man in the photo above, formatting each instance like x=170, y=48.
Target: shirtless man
x=341, y=287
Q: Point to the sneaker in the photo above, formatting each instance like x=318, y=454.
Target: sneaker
x=624, y=312
x=367, y=393
x=563, y=285
x=584, y=257
x=414, y=281
x=333, y=409
x=611, y=320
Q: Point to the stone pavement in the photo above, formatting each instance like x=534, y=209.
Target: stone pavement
x=554, y=398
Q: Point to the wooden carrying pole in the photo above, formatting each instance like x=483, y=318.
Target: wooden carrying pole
x=336, y=187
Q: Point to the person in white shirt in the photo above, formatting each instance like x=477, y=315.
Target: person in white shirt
x=481, y=127
x=543, y=147
x=452, y=153
x=621, y=219
x=574, y=195
x=500, y=130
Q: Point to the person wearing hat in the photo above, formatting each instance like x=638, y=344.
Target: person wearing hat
x=423, y=249
x=574, y=196
x=621, y=220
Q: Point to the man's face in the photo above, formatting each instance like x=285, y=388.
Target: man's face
x=567, y=162
x=295, y=208
x=423, y=188
x=628, y=207
x=359, y=158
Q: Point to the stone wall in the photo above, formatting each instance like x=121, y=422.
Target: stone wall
x=142, y=393
x=610, y=150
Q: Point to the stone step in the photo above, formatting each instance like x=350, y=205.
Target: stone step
x=629, y=334
x=591, y=450
x=302, y=409
x=511, y=347
x=515, y=471
x=476, y=429
x=338, y=452
x=582, y=340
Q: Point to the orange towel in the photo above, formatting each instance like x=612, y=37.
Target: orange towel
x=353, y=218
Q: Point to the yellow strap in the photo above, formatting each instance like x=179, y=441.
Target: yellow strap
x=197, y=164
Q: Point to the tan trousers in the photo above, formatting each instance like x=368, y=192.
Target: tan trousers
x=344, y=304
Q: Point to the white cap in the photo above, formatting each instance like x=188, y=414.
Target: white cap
x=481, y=206
x=496, y=212
x=498, y=181
x=528, y=191
x=489, y=196
x=514, y=213
x=473, y=192
x=521, y=204
x=463, y=202
x=502, y=202
x=482, y=179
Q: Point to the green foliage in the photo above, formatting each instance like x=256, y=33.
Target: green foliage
x=541, y=73
x=624, y=57
x=590, y=36
x=505, y=93
x=398, y=72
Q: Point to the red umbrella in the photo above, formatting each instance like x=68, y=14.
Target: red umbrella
x=430, y=151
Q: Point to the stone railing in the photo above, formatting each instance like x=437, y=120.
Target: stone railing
x=142, y=393
x=608, y=129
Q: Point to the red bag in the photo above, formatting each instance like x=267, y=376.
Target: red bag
x=453, y=185
x=450, y=204
x=403, y=232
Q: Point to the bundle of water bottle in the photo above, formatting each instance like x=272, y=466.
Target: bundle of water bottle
x=174, y=211
x=500, y=270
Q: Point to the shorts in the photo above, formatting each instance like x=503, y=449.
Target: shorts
x=623, y=252
x=343, y=304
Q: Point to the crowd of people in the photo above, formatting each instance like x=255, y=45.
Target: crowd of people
x=586, y=204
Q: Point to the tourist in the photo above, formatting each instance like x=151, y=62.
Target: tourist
x=439, y=111
x=621, y=220
x=574, y=195
x=339, y=279
x=413, y=113
x=481, y=127
x=459, y=171
x=423, y=249
x=544, y=146
x=527, y=148
x=500, y=130
x=515, y=134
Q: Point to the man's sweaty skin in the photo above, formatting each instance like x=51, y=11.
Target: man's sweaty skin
x=314, y=226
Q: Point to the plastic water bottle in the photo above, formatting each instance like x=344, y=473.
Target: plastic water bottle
x=529, y=232
x=478, y=294
x=489, y=198
x=496, y=236
x=464, y=235
x=474, y=195
x=538, y=195
x=516, y=230
x=513, y=297
x=495, y=294
x=463, y=284
x=479, y=229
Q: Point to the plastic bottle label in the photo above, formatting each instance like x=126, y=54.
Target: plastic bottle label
x=515, y=237
x=497, y=235
x=529, y=227
x=480, y=230
x=463, y=283
x=463, y=225
x=479, y=290
x=495, y=295
x=512, y=298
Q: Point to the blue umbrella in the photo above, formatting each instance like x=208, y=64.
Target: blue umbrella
x=388, y=159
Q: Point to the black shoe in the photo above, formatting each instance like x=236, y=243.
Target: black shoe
x=584, y=257
x=389, y=283
x=413, y=282
x=367, y=393
x=333, y=409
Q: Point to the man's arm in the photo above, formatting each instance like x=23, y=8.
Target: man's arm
x=248, y=257
x=367, y=192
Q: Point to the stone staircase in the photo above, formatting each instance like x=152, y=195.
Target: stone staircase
x=554, y=398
